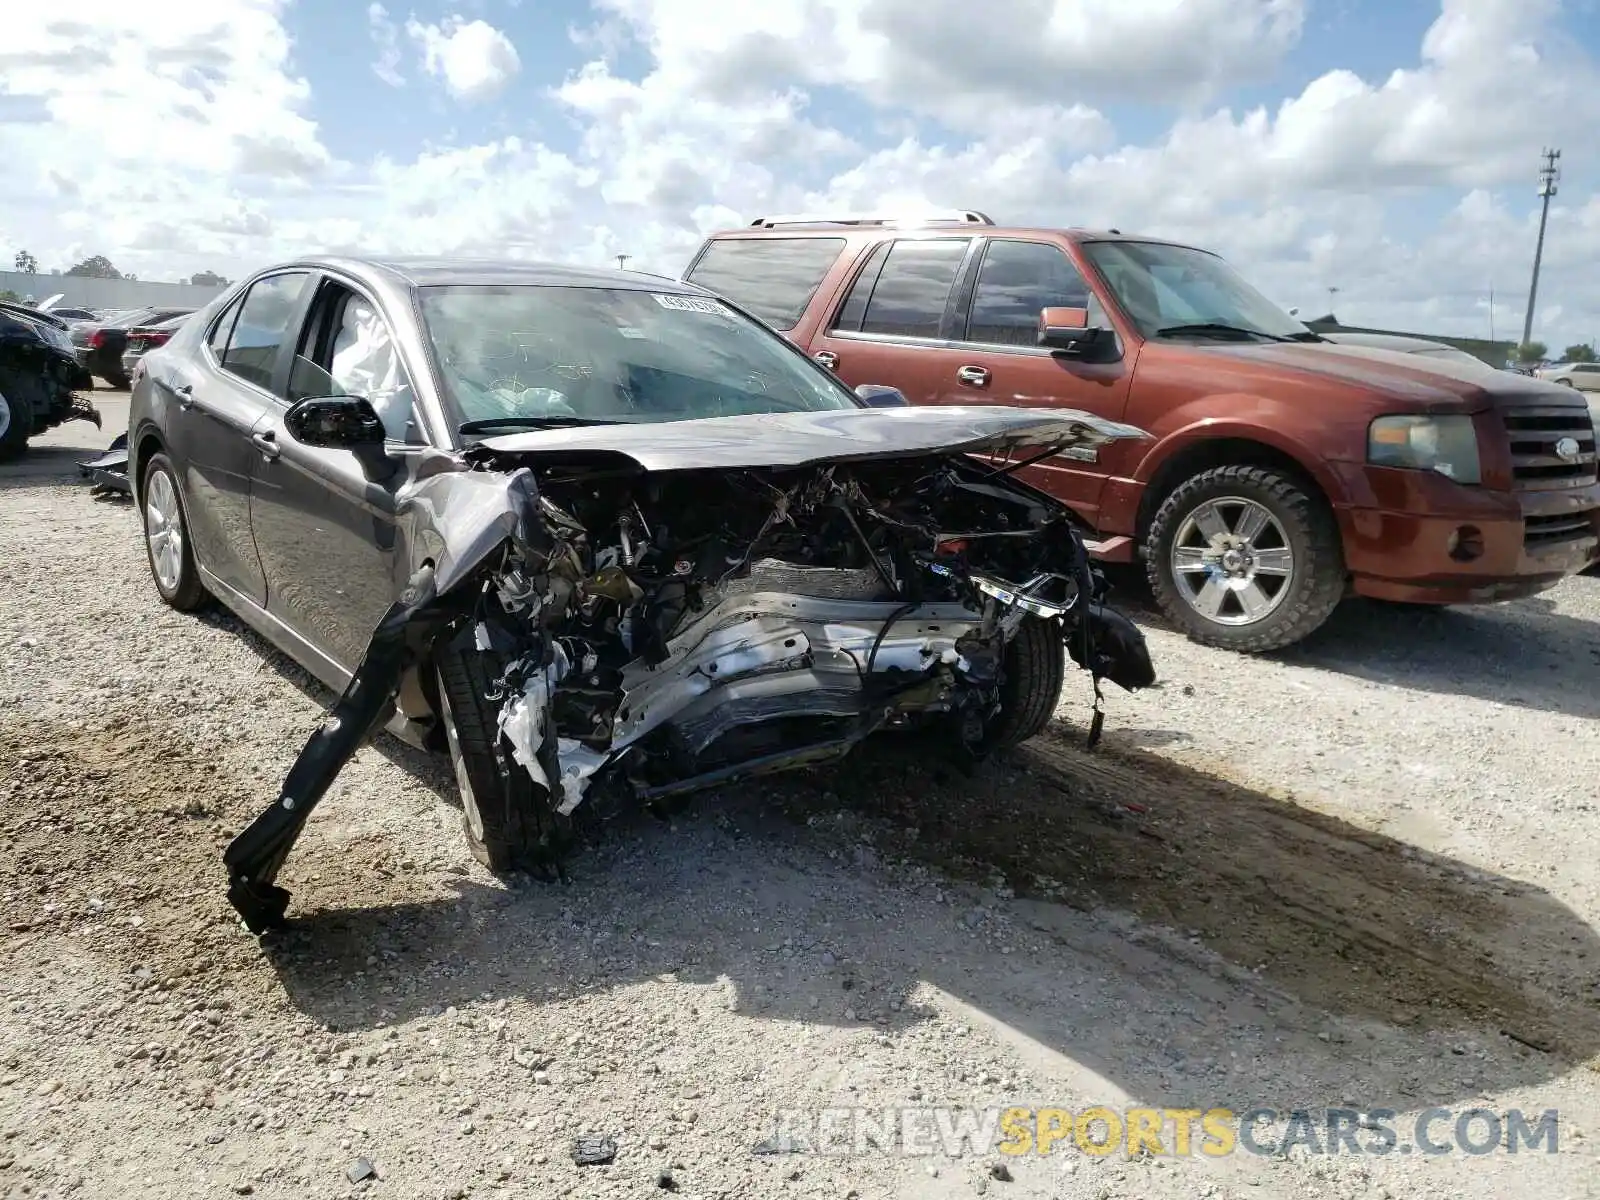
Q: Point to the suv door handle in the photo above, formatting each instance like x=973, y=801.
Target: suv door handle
x=976, y=376
x=185, y=394
x=827, y=358
x=267, y=443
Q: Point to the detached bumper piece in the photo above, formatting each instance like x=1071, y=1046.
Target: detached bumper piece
x=255, y=857
x=109, y=472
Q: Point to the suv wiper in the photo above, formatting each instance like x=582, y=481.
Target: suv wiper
x=490, y=424
x=1217, y=327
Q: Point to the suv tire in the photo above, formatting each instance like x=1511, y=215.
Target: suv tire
x=507, y=818
x=1218, y=517
x=166, y=536
x=1035, y=667
x=16, y=423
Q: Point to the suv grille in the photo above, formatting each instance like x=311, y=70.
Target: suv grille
x=1535, y=431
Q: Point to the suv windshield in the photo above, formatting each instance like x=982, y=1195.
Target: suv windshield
x=509, y=353
x=1163, y=287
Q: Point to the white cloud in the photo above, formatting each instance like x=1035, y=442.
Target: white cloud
x=847, y=103
x=386, y=42
x=474, y=59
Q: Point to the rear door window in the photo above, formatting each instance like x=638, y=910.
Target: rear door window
x=218, y=338
x=909, y=295
x=263, y=325
x=775, y=278
x=1016, y=280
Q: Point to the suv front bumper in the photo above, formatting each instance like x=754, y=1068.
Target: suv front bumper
x=1416, y=537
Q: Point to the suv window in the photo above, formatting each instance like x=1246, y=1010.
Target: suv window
x=907, y=298
x=1016, y=280
x=263, y=324
x=1587, y=367
x=774, y=278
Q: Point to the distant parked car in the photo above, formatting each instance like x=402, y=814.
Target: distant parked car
x=38, y=373
x=99, y=344
x=1583, y=376
x=1406, y=345
x=72, y=314
x=144, y=338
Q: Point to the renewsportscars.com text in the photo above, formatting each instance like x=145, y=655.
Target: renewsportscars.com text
x=1178, y=1132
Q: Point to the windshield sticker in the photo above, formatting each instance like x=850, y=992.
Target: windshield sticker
x=689, y=304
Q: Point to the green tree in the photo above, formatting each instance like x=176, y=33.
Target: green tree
x=96, y=267
x=1582, y=352
x=27, y=263
x=208, y=279
x=1532, y=352
x=9, y=297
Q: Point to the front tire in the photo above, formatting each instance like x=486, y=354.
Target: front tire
x=507, y=818
x=1035, y=667
x=16, y=424
x=1245, y=558
x=166, y=537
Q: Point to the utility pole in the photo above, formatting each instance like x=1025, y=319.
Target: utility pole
x=1491, y=312
x=622, y=260
x=1549, y=173
x=1332, y=292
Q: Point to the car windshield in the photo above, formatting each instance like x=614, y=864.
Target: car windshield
x=511, y=354
x=1163, y=288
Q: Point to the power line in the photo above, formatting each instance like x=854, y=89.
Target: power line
x=1549, y=174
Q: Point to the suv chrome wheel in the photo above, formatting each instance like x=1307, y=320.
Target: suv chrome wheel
x=1232, y=561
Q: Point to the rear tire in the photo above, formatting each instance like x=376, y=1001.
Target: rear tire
x=507, y=819
x=1035, y=668
x=166, y=536
x=16, y=424
x=1286, y=512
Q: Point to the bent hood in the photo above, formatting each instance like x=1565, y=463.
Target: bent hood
x=797, y=439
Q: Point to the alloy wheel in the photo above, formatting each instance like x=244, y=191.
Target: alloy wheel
x=1232, y=562
x=163, y=530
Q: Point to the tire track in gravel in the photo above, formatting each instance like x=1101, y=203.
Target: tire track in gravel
x=1348, y=920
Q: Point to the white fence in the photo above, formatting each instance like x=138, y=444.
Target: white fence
x=84, y=292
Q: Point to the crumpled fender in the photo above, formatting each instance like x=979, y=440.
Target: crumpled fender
x=256, y=855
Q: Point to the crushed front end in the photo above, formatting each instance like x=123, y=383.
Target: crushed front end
x=648, y=633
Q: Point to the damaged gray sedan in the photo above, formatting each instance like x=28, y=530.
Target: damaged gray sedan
x=602, y=538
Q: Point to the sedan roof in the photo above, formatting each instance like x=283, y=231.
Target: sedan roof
x=432, y=272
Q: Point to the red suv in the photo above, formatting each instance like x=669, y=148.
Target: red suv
x=1284, y=471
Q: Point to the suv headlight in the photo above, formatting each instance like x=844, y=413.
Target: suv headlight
x=1448, y=445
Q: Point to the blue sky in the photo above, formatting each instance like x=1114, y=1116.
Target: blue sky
x=1361, y=187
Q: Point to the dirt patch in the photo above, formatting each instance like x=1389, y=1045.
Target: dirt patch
x=1346, y=919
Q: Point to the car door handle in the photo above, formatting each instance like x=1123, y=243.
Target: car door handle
x=827, y=358
x=185, y=394
x=267, y=443
x=976, y=376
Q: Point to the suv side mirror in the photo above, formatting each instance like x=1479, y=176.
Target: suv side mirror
x=335, y=423
x=1067, y=329
x=881, y=395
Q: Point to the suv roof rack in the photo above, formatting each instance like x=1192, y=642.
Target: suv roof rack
x=953, y=216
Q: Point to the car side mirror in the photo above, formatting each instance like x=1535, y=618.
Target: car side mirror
x=1067, y=329
x=335, y=423
x=881, y=395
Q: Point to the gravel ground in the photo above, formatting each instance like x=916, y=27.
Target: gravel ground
x=1339, y=877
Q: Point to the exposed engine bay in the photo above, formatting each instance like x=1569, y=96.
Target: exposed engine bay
x=715, y=618
x=640, y=634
